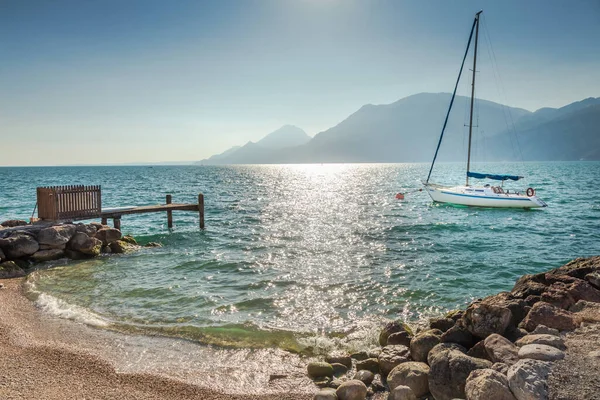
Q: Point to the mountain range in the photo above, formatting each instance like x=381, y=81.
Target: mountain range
x=408, y=131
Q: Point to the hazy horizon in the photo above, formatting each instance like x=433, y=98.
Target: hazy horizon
x=144, y=81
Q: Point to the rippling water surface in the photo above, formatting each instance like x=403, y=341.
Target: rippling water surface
x=299, y=256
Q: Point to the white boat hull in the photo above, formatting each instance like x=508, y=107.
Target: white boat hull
x=481, y=197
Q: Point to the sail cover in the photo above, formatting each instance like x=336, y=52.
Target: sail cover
x=478, y=175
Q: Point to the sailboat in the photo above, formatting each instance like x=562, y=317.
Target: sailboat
x=478, y=196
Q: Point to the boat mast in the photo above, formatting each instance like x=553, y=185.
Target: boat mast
x=473, y=92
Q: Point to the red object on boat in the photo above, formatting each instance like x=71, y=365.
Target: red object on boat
x=399, y=196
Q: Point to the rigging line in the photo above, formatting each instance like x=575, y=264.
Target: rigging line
x=452, y=100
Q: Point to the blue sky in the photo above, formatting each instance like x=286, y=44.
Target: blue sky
x=126, y=81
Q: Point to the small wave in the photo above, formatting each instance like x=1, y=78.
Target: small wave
x=62, y=309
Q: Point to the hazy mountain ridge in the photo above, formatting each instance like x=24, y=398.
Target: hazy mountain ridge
x=408, y=130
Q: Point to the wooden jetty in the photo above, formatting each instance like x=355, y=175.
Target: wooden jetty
x=78, y=202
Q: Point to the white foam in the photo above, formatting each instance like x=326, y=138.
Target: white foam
x=62, y=309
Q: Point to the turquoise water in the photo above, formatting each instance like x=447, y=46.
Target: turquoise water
x=299, y=256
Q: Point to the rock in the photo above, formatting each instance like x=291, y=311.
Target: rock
x=378, y=385
x=541, y=352
x=365, y=376
x=443, y=347
x=76, y=255
x=108, y=235
x=106, y=249
x=393, y=327
x=98, y=225
x=550, y=316
x=488, y=316
x=340, y=359
x=391, y=356
x=413, y=374
x=58, y=247
x=374, y=352
x=129, y=239
x=527, y=379
x=84, y=244
x=487, y=384
x=500, y=349
x=56, y=236
x=370, y=364
x=544, y=330
x=322, y=381
x=454, y=315
x=11, y=223
x=339, y=369
x=2, y=256
x=586, y=311
x=479, y=351
x=88, y=229
x=19, y=245
x=1, y=285
x=336, y=383
x=514, y=333
x=153, y=244
x=402, y=393
x=326, y=394
x=421, y=345
x=120, y=246
x=595, y=354
x=501, y=367
x=459, y=335
x=549, y=340
x=579, y=267
x=594, y=279
x=448, y=372
x=402, y=338
x=10, y=269
x=352, y=390
x=443, y=324
x=47, y=255
x=319, y=369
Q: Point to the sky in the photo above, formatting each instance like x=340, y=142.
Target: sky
x=89, y=82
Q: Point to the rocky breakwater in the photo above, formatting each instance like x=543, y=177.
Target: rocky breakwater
x=502, y=347
x=23, y=245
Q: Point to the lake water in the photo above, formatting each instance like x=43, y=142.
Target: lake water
x=305, y=257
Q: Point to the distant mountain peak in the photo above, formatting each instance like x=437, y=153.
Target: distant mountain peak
x=286, y=136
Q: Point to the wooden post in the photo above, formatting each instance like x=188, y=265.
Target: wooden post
x=117, y=222
x=201, y=209
x=104, y=221
x=169, y=213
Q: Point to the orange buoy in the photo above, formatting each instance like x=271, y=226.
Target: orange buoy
x=399, y=196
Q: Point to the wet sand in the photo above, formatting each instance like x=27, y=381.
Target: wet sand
x=44, y=357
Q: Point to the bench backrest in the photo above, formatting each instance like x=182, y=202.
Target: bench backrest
x=69, y=202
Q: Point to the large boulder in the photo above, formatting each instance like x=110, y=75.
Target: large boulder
x=84, y=244
x=319, y=369
x=10, y=269
x=422, y=343
x=19, y=245
x=47, y=255
x=444, y=347
x=579, y=267
x=549, y=340
x=448, y=373
x=529, y=285
x=553, y=317
x=541, y=352
x=479, y=351
x=391, y=356
x=88, y=229
x=108, y=235
x=459, y=335
x=402, y=338
x=393, y=327
x=443, y=324
x=55, y=236
x=402, y=393
x=494, y=314
x=501, y=350
x=413, y=374
x=527, y=379
x=594, y=279
x=352, y=390
x=487, y=384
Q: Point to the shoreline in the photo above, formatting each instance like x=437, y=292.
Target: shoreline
x=47, y=357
